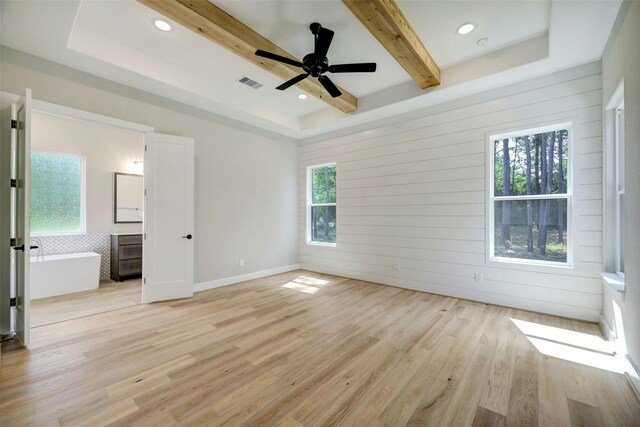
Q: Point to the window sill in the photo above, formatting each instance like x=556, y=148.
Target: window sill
x=613, y=281
x=528, y=262
x=326, y=245
x=60, y=234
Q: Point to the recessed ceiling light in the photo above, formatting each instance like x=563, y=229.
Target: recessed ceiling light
x=302, y=96
x=465, y=29
x=162, y=25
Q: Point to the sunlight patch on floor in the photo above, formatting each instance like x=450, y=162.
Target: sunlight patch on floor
x=564, y=336
x=306, y=284
x=579, y=355
x=312, y=281
x=302, y=288
x=577, y=347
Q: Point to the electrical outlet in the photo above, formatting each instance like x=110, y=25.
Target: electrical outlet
x=396, y=266
x=241, y=262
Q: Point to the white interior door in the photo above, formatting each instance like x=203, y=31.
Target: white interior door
x=20, y=227
x=167, y=261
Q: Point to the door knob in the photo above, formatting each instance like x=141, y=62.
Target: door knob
x=188, y=237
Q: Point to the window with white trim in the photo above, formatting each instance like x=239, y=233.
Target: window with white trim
x=321, y=204
x=620, y=209
x=57, y=193
x=530, y=191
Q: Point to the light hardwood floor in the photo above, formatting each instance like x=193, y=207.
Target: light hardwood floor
x=109, y=296
x=302, y=348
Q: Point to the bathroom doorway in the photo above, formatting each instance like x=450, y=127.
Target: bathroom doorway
x=86, y=214
x=77, y=192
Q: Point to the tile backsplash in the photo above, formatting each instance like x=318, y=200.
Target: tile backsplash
x=69, y=244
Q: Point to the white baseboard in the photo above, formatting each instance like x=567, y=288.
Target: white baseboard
x=243, y=277
x=571, y=312
x=606, y=329
x=633, y=376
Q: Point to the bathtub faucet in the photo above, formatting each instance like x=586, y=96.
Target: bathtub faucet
x=39, y=252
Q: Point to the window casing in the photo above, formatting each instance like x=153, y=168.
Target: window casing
x=620, y=189
x=529, y=218
x=57, y=193
x=321, y=204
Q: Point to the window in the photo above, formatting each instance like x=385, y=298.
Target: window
x=619, y=215
x=321, y=204
x=530, y=196
x=57, y=193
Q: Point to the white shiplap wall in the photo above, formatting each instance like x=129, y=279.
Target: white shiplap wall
x=413, y=192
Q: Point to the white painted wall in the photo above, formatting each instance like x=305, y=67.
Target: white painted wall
x=621, y=60
x=246, y=187
x=412, y=191
x=106, y=150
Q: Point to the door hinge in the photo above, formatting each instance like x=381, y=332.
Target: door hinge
x=14, y=183
x=14, y=124
x=145, y=148
x=13, y=302
x=13, y=242
x=144, y=280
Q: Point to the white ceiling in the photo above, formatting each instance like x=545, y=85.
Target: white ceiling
x=116, y=39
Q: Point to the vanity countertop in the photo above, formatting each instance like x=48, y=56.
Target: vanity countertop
x=127, y=234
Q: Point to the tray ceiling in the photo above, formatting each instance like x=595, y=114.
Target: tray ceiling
x=117, y=40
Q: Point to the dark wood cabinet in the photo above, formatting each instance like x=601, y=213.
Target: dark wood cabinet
x=126, y=256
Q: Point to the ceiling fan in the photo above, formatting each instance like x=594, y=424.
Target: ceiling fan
x=316, y=63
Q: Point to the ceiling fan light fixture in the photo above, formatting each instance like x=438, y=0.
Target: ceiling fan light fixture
x=162, y=25
x=302, y=96
x=465, y=29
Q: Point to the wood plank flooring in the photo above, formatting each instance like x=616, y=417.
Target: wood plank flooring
x=110, y=295
x=305, y=349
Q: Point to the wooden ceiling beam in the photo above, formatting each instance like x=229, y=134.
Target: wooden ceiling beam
x=387, y=23
x=213, y=23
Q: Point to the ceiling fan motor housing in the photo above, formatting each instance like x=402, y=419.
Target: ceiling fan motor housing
x=315, y=66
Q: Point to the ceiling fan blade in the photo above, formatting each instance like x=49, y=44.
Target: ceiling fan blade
x=366, y=67
x=278, y=58
x=289, y=83
x=329, y=86
x=323, y=41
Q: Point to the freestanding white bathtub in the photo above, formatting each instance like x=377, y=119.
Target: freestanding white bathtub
x=64, y=274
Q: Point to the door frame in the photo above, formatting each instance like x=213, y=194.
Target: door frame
x=73, y=113
x=7, y=100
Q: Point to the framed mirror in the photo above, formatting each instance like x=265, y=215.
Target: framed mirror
x=127, y=198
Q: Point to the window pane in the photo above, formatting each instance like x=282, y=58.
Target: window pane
x=323, y=224
x=620, y=254
x=620, y=149
x=531, y=229
x=56, y=185
x=323, y=182
x=531, y=164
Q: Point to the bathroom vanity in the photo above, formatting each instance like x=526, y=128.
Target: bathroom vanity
x=126, y=256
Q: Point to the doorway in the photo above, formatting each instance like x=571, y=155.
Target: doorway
x=167, y=216
x=86, y=198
